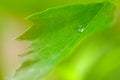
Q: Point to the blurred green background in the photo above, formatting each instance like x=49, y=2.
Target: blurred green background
x=97, y=57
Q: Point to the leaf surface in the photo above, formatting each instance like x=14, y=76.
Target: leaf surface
x=56, y=32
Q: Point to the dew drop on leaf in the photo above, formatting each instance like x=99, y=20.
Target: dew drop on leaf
x=81, y=28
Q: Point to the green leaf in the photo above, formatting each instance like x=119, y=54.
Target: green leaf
x=31, y=6
x=57, y=32
x=96, y=58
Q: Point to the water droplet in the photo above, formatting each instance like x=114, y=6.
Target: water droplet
x=81, y=28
